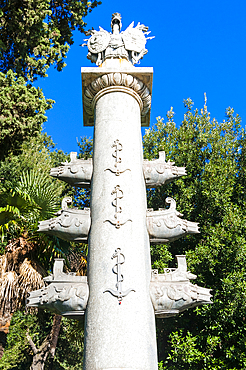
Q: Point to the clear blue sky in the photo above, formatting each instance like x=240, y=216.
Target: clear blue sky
x=199, y=46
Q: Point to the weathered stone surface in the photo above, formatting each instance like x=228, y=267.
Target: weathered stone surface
x=172, y=292
x=70, y=224
x=77, y=172
x=165, y=225
x=66, y=294
x=159, y=172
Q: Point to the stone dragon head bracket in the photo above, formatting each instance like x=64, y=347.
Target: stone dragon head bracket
x=65, y=294
x=172, y=292
x=71, y=224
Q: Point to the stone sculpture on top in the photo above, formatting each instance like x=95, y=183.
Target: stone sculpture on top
x=128, y=44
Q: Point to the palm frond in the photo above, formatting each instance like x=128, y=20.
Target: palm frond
x=9, y=292
x=77, y=262
x=17, y=250
x=3, y=265
x=43, y=191
x=13, y=207
x=30, y=277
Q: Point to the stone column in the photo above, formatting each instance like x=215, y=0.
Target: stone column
x=120, y=321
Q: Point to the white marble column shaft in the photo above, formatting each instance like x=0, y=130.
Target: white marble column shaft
x=119, y=334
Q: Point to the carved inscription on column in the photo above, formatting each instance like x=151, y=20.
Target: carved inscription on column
x=118, y=148
x=118, y=209
x=118, y=195
x=117, y=270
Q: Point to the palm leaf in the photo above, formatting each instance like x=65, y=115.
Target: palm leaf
x=3, y=265
x=14, y=205
x=43, y=191
x=30, y=278
x=9, y=292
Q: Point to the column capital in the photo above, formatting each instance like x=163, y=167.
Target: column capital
x=97, y=81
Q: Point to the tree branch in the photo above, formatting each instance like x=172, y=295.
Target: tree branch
x=30, y=341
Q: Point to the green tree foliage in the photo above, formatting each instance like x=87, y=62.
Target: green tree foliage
x=27, y=195
x=213, y=194
x=69, y=353
x=22, y=112
x=18, y=354
x=27, y=192
x=34, y=198
x=38, y=154
x=36, y=34
x=82, y=196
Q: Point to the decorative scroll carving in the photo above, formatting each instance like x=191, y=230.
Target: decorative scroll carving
x=71, y=224
x=159, y=172
x=172, y=292
x=66, y=294
x=165, y=225
x=117, y=270
x=118, y=195
x=129, y=44
x=77, y=172
x=116, y=79
x=118, y=147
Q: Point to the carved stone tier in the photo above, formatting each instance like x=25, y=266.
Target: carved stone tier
x=66, y=294
x=172, y=292
x=159, y=172
x=77, y=172
x=71, y=224
x=165, y=225
x=99, y=81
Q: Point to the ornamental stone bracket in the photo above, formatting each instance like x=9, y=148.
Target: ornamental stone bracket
x=71, y=224
x=165, y=226
x=77, y=172
x=159, y=172
x=97, y=81
x=172, y=292
x=66, y=294
x=117, y=146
